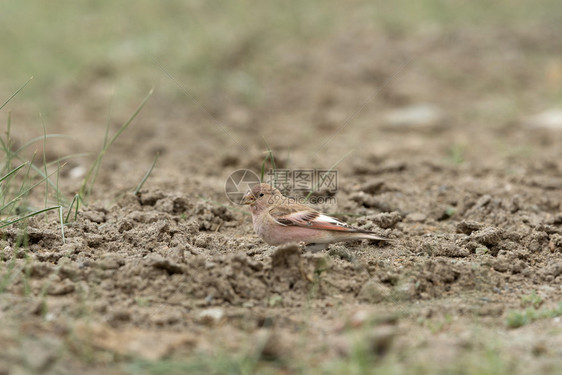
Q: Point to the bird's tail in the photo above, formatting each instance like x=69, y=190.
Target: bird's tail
x=362, y=235
x=371, y=236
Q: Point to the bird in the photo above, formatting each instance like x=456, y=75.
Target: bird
x=280, y=220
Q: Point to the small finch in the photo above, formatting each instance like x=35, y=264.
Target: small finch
x=279, y=220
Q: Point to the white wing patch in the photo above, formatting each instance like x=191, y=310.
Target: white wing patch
x=328, y=219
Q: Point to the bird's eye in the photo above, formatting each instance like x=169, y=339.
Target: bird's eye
x=261, y=194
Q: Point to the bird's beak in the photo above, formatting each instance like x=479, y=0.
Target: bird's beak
x=248, y=198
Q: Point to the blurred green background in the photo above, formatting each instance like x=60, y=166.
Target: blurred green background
x=224, y=49
x=325, y=73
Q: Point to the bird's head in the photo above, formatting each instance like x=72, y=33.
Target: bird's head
x=261, y=195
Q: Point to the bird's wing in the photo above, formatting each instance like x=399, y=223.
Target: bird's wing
x=303, y=216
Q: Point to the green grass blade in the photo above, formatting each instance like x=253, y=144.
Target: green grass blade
x=262, y=174
x=105, y=146
x=108, y=121
x=45, y=159
x=147, y=174
x=57, y=191
x=74, y=200
x=91, y=175
x=15, y=170
x=61, y=225
x=35, y=213
x=37, y=170
x=26, y=176
x=17, y=197
x=128, y=122
x=68, y=157
x=5, y=185
x=7, y=146
x=15, y=93
x=24, y=181
x=271, y=158
x=42, y=137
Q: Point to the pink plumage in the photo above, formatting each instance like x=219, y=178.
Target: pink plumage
x=278, y=220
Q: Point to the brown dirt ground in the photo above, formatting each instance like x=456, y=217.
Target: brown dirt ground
x=178, y=273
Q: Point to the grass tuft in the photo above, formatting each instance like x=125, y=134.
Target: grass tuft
x=532, y=299
x=15, y=187
x=516, y=319
x=91, y=175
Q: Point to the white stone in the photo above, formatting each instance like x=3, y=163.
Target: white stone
x=77, y=172
x=415, y=116
x=549, y=119
x=211, y=316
